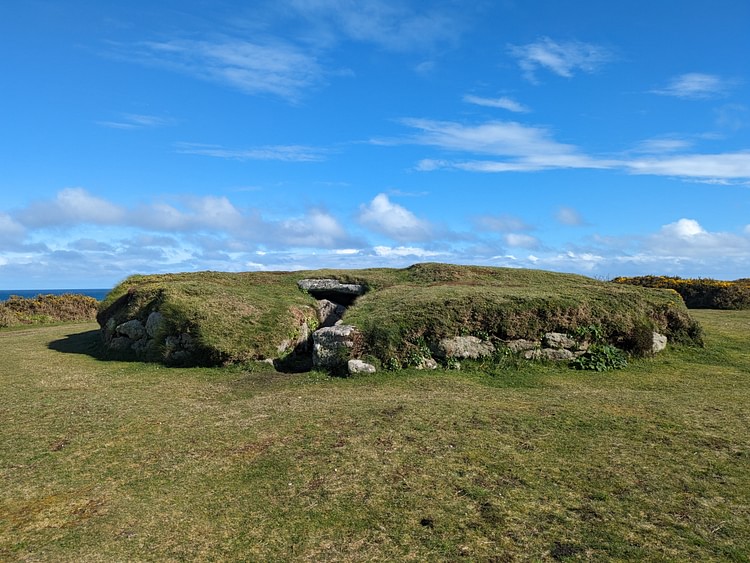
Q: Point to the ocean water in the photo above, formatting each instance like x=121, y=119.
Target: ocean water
x=31, y=293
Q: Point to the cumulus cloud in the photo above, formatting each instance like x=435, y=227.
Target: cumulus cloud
x=11, y=231
x=562, y=58
x=194, y=213
x=500, y=103
x=71, y=206
x=695, y=86
x=393, y=220
x=517, y=240
x=316, y=229
x=687, y=238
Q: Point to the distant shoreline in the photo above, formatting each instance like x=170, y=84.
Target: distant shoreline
x=98, y=294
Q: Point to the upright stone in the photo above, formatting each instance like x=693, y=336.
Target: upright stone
x=331, y=346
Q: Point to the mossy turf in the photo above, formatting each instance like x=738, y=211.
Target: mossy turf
x=243, y=316
x=127, y=461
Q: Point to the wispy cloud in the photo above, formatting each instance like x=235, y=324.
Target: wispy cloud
x=662, y=145
x=527, y=148
x=523, y=148
x=286, y=153
x=695, y=86
x=500, y=103
x=393, y=26
x=277, y=68
x=569, y=216
x=563, y=58
x=700, y=166
x=129, y=121
x=393, y=220
x=502, y=223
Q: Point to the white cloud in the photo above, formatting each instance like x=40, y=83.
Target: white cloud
x=316, y=229
x=562, y=58
x=569, y=216
x=529, y=148
x=275, y=68
x=285, y=153
x=521, y=241
x=727, y=166
x=525, y=148
x=196, y=213
x=684, y=229
x=10, y=229
x=393, y=220
x=501, y=103
x=71, y=206
x=403, y=251
x=688, y=239
x=695, y=86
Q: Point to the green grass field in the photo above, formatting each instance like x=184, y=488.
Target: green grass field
x=116, y=461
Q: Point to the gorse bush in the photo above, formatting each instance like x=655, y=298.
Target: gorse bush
x=44, y=309
x=699, y=293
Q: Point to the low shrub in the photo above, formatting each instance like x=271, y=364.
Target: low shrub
x=601, y=357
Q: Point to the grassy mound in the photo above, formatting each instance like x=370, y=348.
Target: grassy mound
x=236, y=317
x=233, y=317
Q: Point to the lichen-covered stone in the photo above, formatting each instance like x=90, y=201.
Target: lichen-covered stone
x=331, y=346
x=359, y=366
x=659, y=343
x=558, y=340
x=465, y=347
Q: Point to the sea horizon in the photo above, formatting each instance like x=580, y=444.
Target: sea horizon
x=97, y=293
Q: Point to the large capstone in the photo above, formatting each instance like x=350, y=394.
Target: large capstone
x=332, y=290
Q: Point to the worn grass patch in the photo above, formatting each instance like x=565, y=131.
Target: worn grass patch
x=106, y=460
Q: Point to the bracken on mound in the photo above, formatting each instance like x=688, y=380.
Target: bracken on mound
x=401, y=316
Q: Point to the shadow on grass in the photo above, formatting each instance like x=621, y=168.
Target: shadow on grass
x=88, y=343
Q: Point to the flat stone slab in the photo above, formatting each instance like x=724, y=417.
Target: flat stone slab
x=334, y=286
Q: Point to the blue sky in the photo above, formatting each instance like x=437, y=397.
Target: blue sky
x=604, y=138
